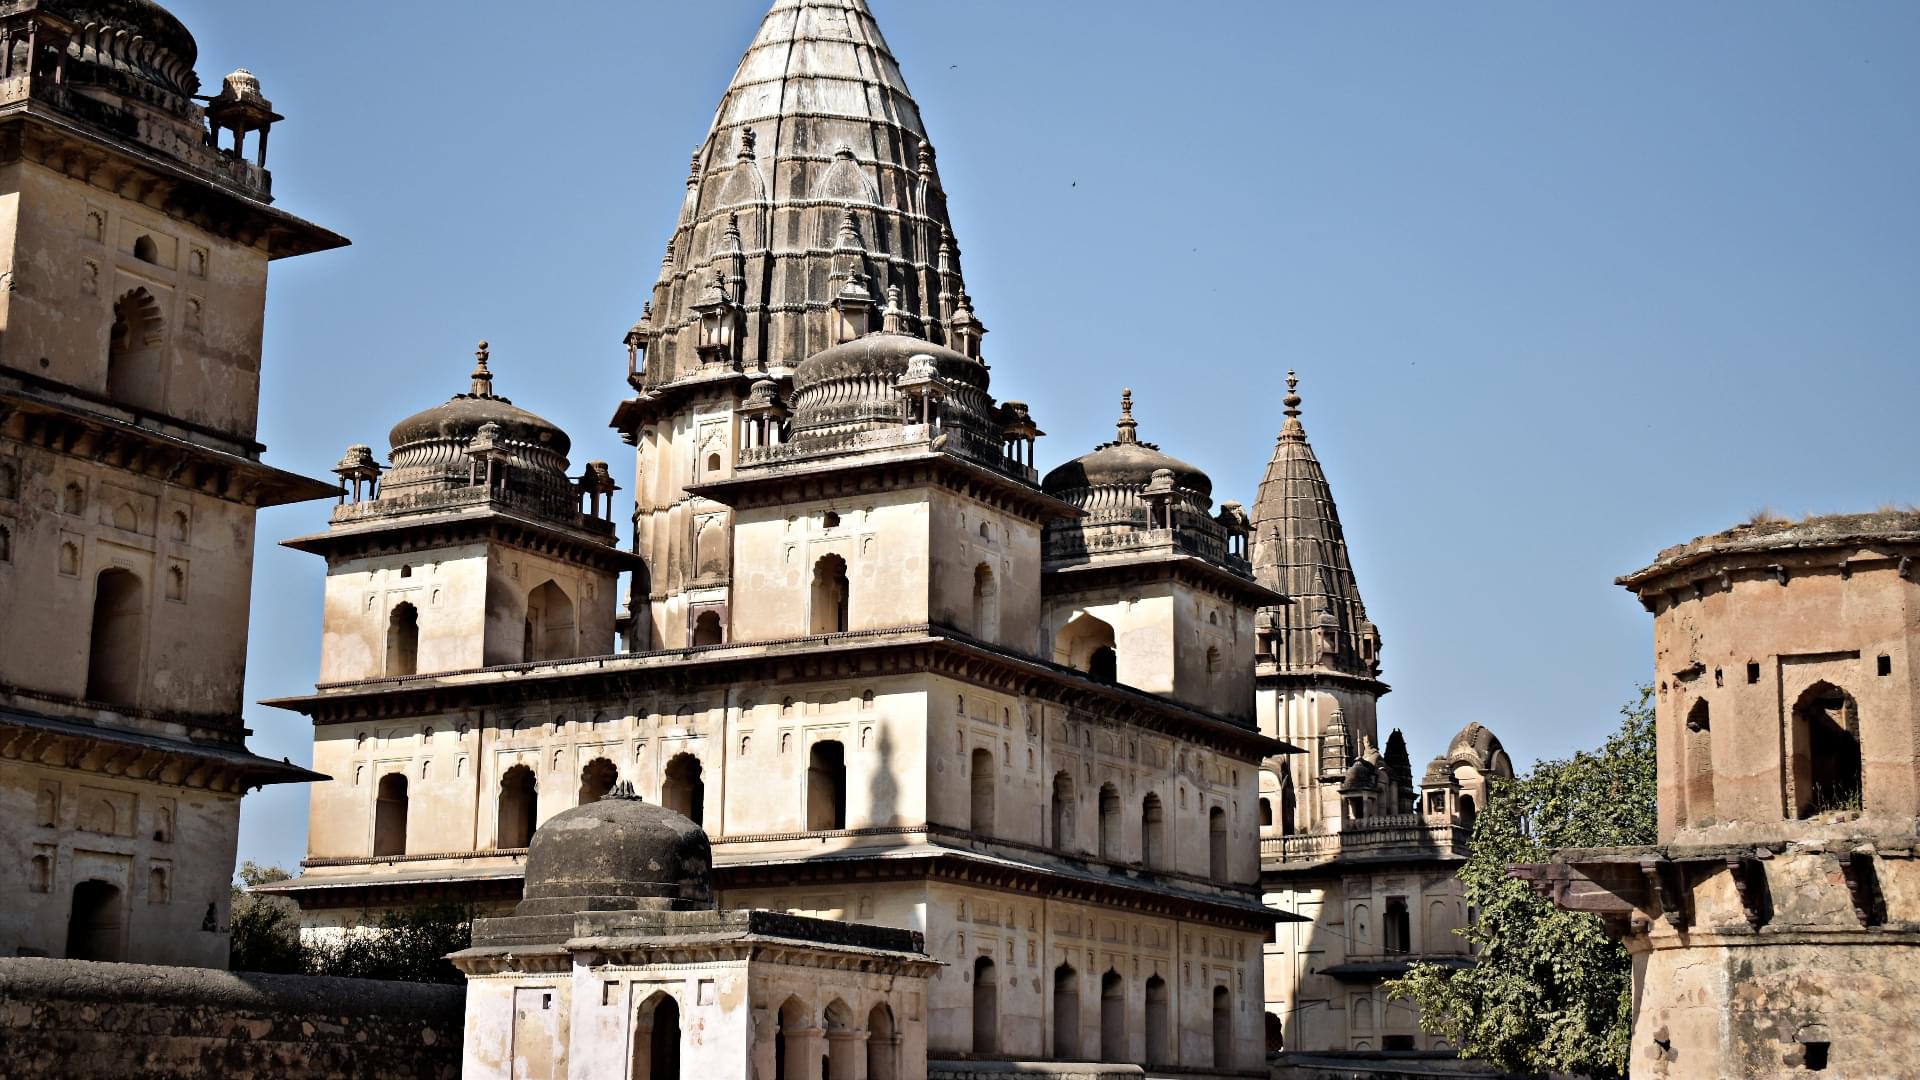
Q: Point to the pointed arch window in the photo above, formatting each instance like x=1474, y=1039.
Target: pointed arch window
x=136, y=374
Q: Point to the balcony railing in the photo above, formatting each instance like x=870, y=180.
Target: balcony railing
x=1392, y=836
x=957, y=441
x=559, y=510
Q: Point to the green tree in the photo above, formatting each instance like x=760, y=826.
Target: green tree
x=408, y=946
x=1548, y=991
x=265, y=929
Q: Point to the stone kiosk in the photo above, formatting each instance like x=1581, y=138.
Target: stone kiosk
x=1776, y=927
x=617, y=964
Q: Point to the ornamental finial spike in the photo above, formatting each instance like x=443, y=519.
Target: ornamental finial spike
x=1292, y=429
x=1125, y=430
x=482, y=378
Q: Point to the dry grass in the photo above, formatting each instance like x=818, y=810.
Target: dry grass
x=1766, y=515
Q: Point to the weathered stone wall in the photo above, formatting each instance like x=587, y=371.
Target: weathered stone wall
x=61, y=1018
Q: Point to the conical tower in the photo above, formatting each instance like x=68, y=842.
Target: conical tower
x=813, y=198
x=1318, y=663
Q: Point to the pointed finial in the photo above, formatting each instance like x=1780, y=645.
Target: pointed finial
x=1126, y=429
x=482, y=378
x=926, y=162
x=732, y=236
x=1293, y=428
x=747, y=140
x=850, y=239
x=693, y=168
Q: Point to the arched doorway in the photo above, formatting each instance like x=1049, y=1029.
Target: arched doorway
x=1086, y=643
x=980, y=817
x=656, y=1047
x=136, y=354
x=883, y=1050
x=1113, y=1017
x=1222, y=1028
x=1826, y=752
x=839, y=1063
x=519, y=808
x=1159, y=1022
x=790, y=1035
x=986, y=1007
x=684, y=788
x=97, y=923
x=390, y=816
x=706, y=629
x=1066, y=1013
x=549, y=631
x=830, y=595
x=116, y=650
x=827, y=786
x=403, y=640
x=1699, y=765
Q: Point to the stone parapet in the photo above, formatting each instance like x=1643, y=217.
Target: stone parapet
x=61, y=1018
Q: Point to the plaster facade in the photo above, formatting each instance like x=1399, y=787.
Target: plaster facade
x=134, y=250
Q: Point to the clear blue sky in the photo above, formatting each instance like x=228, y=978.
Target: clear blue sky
x=1565, y=283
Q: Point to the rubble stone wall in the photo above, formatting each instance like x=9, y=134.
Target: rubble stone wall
x=62, y=1018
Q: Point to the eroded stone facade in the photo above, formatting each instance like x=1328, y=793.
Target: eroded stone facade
x=135, y=237
x=1776, y=926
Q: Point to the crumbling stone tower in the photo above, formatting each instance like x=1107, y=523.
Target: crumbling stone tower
x=1776, y=926
x=136, y=229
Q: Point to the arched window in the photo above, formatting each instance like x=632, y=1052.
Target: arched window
x=9, y=480
x=830, y=592
x=390, y=816
x=1062, y=808
x=684, y=789
x=790, y=1040
x=883, y=1046
x=403, y=640
x=1086, y=643
x=1826, y=752
x=986, y=604
x=596, y=779
x=1287, y=801
x=1276, y=1034
x=1213, y=660
x=1217, y=844
x=839, y=1059
x=1699, y=765
x=1113, y=1017
x=706, y=629
x=519, y=808
x=1222, y=1028
x=146, y=250
x=980, y=820
x=97, y=923
x=1109, y=823
x=549, y=630
x=1153, y=836
x=6, y=545
x=656, y=1044
x=986, y=1007
x=74, y=500
x=136, y=369
x=1066, y=1013
x=119, y=638
x=1468, y=812
x=1397, y=925
x=827, y=786
x=1159, y=1023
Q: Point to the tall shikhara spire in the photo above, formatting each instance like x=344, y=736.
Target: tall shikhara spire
x=1299, y=549
x=816, y=127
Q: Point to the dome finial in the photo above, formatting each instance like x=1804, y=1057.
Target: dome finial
x=482, y=378
x=1293, y=427
x=624, y=790
x=1126, y=429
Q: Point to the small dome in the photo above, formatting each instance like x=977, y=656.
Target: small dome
x=853, y=386
x=618, y=853
x=1126, y=462
x=429, y=448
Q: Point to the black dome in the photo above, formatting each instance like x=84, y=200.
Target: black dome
x=619, y=853
x=1121, y=464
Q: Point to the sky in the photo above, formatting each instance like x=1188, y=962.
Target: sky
x=1565, y=284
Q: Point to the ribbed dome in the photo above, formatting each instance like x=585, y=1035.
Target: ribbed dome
x=1125, y=463
x=1299, y=549
x=131, y=37
x=429, y=448
x=854, y=385
x=816, y=126
x=619, y=853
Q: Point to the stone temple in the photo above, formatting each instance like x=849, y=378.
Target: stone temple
x=871, y=750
